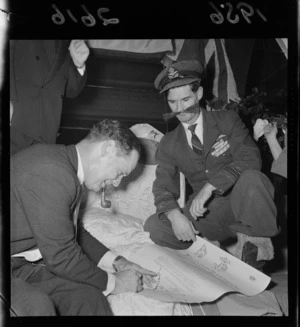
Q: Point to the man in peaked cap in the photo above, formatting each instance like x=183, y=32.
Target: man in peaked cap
x=232, y=198
x=180, y=73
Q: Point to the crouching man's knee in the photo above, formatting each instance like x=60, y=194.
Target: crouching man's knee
x=253, y=180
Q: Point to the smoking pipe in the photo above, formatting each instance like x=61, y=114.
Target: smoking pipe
x=170, y=115
x=104, y=203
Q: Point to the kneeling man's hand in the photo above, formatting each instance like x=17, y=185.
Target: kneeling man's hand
x=197, y=208
x=183, y=228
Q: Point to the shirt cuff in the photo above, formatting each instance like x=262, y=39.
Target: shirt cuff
x=111, y=281
x=81, y=70
x=106, y=262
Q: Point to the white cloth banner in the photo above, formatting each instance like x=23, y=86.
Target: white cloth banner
x=202, y=273
x=139, y=46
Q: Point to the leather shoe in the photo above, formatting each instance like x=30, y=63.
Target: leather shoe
x=249, y=256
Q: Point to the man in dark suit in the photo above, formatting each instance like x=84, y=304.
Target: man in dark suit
x=231, y=197
x=55, y=262
x=42, y=72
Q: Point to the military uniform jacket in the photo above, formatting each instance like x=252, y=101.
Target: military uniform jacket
x=175, y=155
x=44, y=191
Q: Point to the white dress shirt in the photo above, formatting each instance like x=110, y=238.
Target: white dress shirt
x=198, y=130
x=81, y=70
x=107, y=260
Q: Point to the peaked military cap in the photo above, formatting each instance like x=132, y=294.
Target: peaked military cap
x=178, y=74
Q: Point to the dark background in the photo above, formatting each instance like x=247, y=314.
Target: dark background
x=120, y=85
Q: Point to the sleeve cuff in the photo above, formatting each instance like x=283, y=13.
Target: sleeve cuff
x=81, y=70
x=111, y=282
x=106, y=262
x=166, y=206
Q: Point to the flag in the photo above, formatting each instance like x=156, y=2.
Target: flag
x=218, y=79
x=137, y=46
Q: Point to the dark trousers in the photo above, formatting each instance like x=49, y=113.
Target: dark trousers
x=248, y=208
x=35, y=291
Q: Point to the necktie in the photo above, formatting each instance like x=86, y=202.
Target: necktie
x=76, y=211
x=196, y=143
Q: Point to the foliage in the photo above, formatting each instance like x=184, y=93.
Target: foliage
x=260, y=105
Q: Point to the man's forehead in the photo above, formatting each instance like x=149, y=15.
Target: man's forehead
x=179, y=91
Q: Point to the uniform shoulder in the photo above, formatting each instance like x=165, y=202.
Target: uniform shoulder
x=224, y=114
x=170, y=137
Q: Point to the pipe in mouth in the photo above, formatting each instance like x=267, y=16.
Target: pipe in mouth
x=104, y=202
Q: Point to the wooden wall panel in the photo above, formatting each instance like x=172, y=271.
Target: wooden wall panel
x=96, y=103
x=120, y=88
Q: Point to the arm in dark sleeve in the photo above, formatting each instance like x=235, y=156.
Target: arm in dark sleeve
x=45, y=200
x=89, y=244
x=166, y=188
x=75, y=81
x=244, y=152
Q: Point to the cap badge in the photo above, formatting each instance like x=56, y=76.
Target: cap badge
x=172, y=73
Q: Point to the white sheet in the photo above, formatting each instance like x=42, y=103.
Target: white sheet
x=123, y=233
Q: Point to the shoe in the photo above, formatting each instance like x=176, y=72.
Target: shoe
x=249, y=256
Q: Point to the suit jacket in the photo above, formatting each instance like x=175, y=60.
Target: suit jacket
x=41, y=74
x=175, y=155
x=44, y=191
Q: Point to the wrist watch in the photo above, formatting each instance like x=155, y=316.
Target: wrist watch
x=115, y=261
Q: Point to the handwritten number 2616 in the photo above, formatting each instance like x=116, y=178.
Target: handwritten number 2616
x=88, y=20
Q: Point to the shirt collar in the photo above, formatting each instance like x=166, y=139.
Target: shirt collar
x=198, y=122
x=80, y=173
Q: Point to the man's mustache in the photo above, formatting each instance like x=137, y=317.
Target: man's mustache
x=171, y=115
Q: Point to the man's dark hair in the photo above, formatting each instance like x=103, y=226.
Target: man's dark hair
x=109, y=129
x=195, y=86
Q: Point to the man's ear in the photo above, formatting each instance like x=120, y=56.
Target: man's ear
x=199, y=93
x=108, y=148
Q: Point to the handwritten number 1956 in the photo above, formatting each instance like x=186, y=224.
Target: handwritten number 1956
x=246, y=10
x=88, y=20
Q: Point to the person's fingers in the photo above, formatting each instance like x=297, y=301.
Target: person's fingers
x=78, y=44
x=142, y=271
x=148, y=280
x=139, y=289
x=192, y=236
x=140, y=284
x=193, y=214
x=194, y=229
x=178, y=235
x=197, y=209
